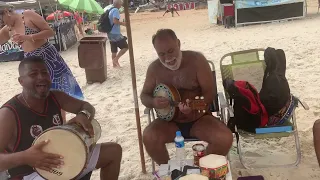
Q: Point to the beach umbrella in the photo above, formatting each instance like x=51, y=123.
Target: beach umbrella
x=60, y=15
x=88, y=6
x=134, y=84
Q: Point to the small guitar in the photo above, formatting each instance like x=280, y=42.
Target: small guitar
x=171, y=93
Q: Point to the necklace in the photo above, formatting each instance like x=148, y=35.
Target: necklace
x=25, y=100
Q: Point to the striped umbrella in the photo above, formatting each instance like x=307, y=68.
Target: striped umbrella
x=88, y=6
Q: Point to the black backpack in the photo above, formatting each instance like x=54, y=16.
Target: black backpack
x=275, y=91
x=104, y=24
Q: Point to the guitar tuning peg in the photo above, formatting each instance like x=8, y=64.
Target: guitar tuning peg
x=198, y=111
x=203, y=111
x=197, y=97
x=201, y=97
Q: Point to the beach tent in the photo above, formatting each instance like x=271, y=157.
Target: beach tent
x=252, y=11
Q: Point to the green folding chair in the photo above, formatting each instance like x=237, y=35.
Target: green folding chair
x=249, y=65
x=216, y=107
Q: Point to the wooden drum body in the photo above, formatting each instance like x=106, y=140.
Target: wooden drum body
x=215, y=167
x=74, y=144
x=172, y=94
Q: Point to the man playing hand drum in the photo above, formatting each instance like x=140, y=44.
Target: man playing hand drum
x=36, y=109
x=190, y=73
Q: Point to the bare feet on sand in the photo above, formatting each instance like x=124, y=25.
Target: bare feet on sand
x=115, y=63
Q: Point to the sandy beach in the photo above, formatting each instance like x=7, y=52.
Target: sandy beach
x=113, y=99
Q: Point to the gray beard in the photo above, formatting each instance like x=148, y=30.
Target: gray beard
x=177, y=65
x=35, y=95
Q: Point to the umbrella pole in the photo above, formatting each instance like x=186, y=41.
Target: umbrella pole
x=134, y=84
x=40, y=8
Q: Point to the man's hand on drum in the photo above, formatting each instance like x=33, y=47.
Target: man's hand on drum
x=84, y=122
x=184, y=107
x=35, y=157
x=160, y=102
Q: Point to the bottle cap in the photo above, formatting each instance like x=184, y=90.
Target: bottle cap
x=178, y=133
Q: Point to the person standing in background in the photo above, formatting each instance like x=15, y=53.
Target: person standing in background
x=79, y=21
x=117, y=40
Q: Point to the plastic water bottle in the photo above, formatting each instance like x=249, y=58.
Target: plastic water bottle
x=180, y=151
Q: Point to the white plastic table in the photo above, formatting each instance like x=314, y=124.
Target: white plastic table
x=165, y=169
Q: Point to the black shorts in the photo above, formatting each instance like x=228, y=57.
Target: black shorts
x=119, y=44
x=185, y=129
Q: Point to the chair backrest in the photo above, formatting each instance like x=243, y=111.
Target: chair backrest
x=248, y=65
x=214, y=107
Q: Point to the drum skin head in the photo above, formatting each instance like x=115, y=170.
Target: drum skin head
x=71, y=147
x=163, y=90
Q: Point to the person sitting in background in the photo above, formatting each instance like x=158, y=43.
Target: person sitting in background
x=27, y=115
x=190, y=73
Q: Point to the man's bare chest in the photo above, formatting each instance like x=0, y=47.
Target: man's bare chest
x=186, y=80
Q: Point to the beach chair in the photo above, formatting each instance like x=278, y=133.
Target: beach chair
x=249, y=65
x=216, y=106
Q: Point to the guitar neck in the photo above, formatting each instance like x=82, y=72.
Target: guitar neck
x=194, y=105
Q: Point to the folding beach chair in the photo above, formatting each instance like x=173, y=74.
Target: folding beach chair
x=249, y=66
x=218, y=104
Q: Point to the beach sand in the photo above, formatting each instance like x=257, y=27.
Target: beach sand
x=114, y=103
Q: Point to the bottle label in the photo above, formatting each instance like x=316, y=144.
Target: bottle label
x=179, y=144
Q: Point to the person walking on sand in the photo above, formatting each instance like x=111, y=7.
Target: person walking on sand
x=117, y=40
x=31, y=31
x=79, y=21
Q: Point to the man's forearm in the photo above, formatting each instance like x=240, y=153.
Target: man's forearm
x=146, y=100
x=3, y=42
x=9, y=161
x=119, y=23
x=45, y=34
x=88, y=107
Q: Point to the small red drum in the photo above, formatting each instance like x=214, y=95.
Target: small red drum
x=73, y=143
x=198, y=152
x=214, y=166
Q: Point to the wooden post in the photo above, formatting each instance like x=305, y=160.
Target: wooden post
x=134, y=84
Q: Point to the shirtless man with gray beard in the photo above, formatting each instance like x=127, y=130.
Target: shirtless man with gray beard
x=190, y=73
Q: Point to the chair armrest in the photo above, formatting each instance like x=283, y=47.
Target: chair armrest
x=225, y=110
x=222, y=100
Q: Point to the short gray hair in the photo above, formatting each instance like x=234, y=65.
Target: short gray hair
x=117, y=2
